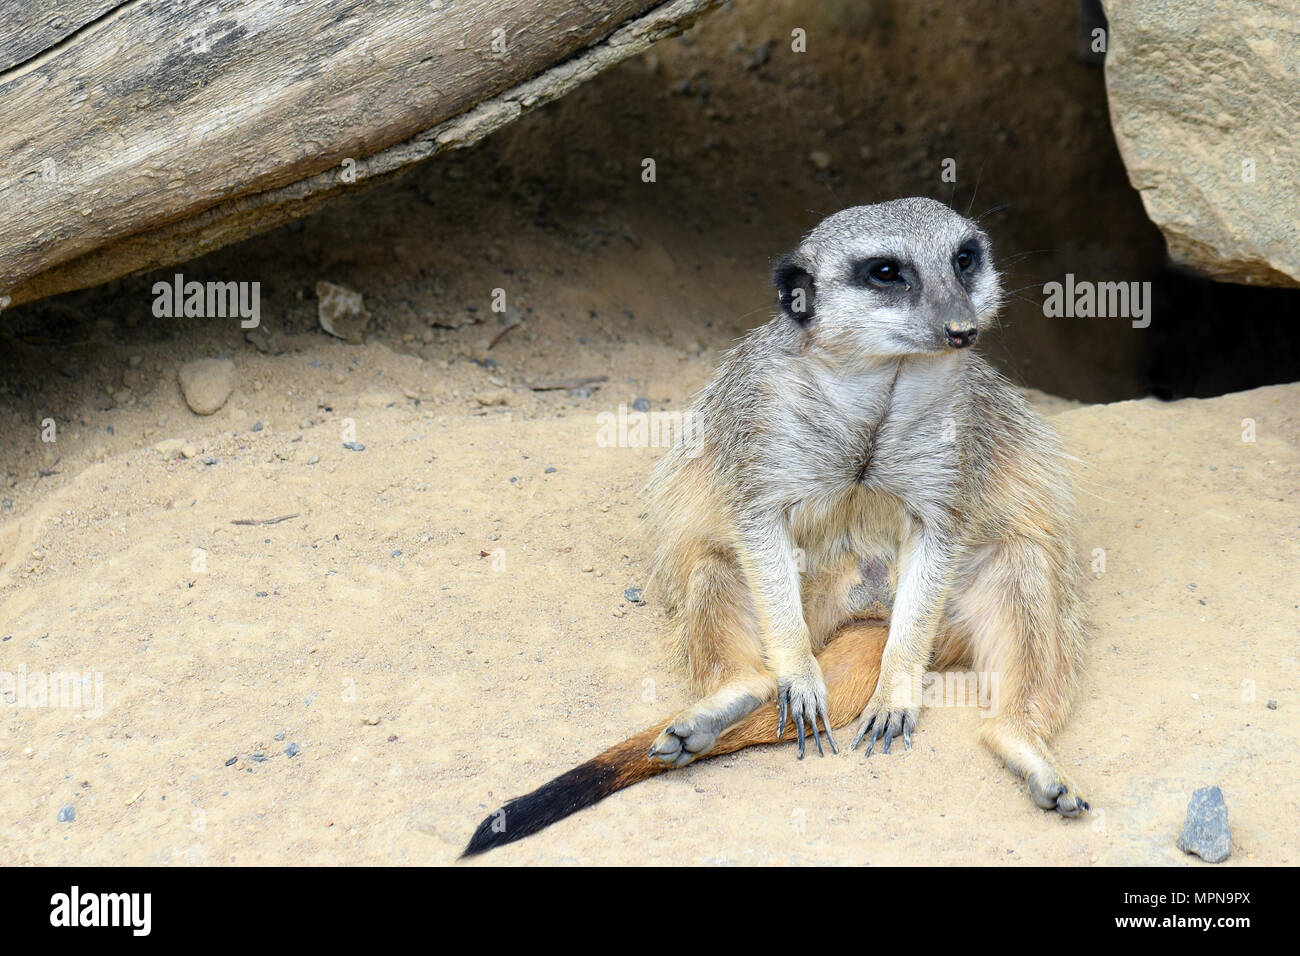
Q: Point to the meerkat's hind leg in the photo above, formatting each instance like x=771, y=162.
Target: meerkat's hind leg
x=725, y=657
x=694, y=731
x=1024, y=634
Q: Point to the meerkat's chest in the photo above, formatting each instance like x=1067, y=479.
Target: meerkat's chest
x=893, y=429
x=906, y=456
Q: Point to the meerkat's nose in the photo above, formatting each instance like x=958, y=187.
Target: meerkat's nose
x=960, y=336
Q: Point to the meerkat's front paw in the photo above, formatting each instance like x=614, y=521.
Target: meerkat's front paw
x=1055, y=794
x=880, y=721
x=802, y=698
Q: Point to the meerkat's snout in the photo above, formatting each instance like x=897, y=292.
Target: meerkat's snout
x=957, y=318
x=960, y=334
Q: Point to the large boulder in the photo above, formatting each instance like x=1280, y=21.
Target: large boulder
x=1205, y=103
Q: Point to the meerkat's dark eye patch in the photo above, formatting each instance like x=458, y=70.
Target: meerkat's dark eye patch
x=968, y=258
x=795, y=288
x=877, y=272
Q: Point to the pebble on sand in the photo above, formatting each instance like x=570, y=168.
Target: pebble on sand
x=1205, y=832
x=170, y=447
x=340, y=311
x=207, y=383
x=67, y=814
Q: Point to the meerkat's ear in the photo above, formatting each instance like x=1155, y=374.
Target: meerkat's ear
x=795, y=288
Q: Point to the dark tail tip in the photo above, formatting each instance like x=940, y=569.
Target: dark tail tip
x=568, y=793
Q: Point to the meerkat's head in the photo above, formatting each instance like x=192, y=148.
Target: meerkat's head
x=903, y=277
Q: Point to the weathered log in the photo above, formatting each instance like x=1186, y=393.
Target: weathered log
x=152, y=132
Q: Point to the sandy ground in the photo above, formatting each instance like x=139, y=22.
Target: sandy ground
x=422, y=629
x=423, y=682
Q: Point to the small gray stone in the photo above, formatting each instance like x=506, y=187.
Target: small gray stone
x=1272, y=705
x=1205, y=831
x=292, y=750
x=67, y=814
x=634, y=595
x=641, y=405
x=354, y=446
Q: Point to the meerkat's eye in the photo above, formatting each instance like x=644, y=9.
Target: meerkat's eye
x=877, y=272
x=967, y=258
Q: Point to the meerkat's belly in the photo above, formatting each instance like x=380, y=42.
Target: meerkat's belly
x=848, y=555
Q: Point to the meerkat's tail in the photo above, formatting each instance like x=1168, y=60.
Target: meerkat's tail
x=850, y=665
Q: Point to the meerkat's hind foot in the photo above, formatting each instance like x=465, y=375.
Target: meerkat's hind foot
x=682, y=741
x=1055, y=794
x=1027, y=757
x=695, y=730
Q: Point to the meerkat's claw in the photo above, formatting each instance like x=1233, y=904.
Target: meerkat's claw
x=826, y=726
x=886, y=726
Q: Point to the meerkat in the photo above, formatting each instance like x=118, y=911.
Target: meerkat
x=860, y=498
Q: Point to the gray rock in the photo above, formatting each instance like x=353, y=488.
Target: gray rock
x=641, y=405
x=1209, y=139
x=207, y=383
x=67, y=814
x=1205, y=831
